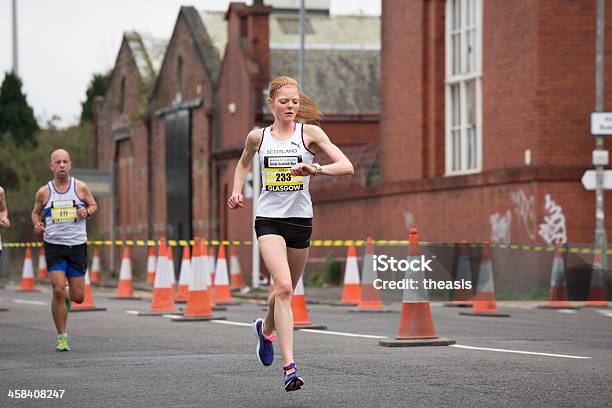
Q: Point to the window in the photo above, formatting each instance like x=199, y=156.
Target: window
x=179, y=79
x=463, y=86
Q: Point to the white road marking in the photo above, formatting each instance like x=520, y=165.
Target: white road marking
x=365, y=336
x=518, y=352
x=229, y=322
x=370, y=336
x=566, y=311
x=132, y=312
x=30, y=302
x=605, y=312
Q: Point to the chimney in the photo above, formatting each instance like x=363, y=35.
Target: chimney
x=258, y=37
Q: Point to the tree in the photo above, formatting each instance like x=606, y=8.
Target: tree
x=16, y=116
x=97, y=87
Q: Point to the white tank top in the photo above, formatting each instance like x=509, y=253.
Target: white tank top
x=283, y=195
x=62, y=225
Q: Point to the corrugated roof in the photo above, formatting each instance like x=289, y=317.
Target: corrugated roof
x=339, y=81
x=148, y=53
x=342, y=57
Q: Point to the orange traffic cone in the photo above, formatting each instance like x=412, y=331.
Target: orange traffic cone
x=151, y=261
x=27, y=274
x=199, y=305
x=42, y=264
x=351, y=292
x=170, y=266
x=95, y=267
x=484, y=301
x=88, y=304
x=163, y=290
x=222, y=289
x=463, y=297
x=416, y=325
x=211, y=264
x=300, y=312
x=597, y=290
x=370, y=298
x=184, y=276
x=237, y=281
x=557, y=295
x=124, y=288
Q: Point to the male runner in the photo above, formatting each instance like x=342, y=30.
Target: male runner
x=59, y=213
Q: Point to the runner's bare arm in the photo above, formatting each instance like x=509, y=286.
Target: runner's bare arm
x=340, y=165
x=90, y=203
x=39, y=203
x=4, y=219
x=251, y=145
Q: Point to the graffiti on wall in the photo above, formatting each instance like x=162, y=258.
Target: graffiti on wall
x=525, y=210
x=500, y=227
x=553, y=230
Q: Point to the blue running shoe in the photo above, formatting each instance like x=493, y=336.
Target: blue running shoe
x=293, y=381
x=265, y=349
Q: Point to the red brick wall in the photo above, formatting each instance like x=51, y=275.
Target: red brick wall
x=402, y=88
x=195, y=84
x=131, y=215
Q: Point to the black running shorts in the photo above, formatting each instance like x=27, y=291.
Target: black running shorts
x=70, y=259
x=295, y=231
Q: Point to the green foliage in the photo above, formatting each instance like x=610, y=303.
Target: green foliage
x=23, y=170
x=16, y=116
x=97, y=87
x=331, y=274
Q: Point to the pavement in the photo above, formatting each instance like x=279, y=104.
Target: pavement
x=535, y=357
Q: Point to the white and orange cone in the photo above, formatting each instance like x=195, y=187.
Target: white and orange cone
x=27, y=274
x=88, y=304
x=351, y=292
x=170, y=266
x=237, y=281
x=416, y=324
x=95, y=267
x=484, y=301
x=370, y=298
x=301, y=320
x=211, y=264
x=151, y=261
x=223, y=295
x=184, y=276
x=199, y=305
x=42, y=264
x=557, y=295
x=125, y=288
x=163, y=290
x=462, y=297
x=597, y=289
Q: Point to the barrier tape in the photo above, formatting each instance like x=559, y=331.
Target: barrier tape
x=327, y=243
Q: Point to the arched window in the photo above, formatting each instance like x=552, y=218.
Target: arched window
x=122, y=95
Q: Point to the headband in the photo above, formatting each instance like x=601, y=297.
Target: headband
x=281, y=85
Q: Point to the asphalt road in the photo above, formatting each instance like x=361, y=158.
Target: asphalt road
x=122, y=360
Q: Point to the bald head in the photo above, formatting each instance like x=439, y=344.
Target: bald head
x=61, y=153
x=60, y=164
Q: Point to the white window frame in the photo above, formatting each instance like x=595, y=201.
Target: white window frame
x=461, y=79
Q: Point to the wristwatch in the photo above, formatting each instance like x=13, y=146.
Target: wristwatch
x=318, y=167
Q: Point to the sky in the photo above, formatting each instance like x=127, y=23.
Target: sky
x=62, y=43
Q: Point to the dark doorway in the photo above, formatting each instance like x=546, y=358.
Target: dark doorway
x=178, y=174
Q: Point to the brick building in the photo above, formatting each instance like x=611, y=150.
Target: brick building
x=478, y=128
x=208, y=93
x=122, y=134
